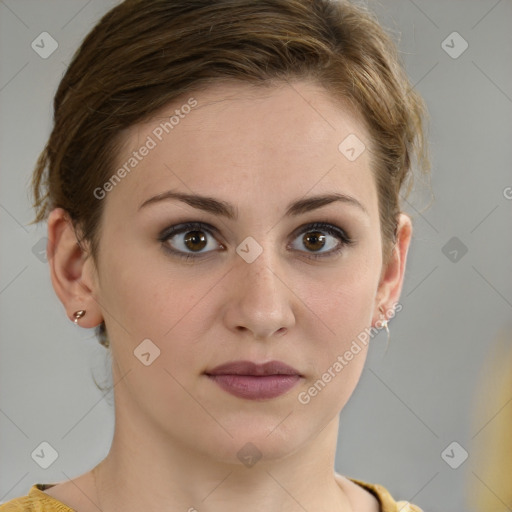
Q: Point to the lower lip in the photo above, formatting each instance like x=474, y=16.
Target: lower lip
x=255, y=387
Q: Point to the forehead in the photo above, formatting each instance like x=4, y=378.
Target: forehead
x=248, y=145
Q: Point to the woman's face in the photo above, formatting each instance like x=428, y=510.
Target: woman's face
x=256, y=281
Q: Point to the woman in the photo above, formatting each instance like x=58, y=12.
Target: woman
x=221, y=187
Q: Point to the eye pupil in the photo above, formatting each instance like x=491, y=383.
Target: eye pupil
x=195, y=237
x=314, y=237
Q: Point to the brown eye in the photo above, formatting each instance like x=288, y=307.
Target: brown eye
x=321, y=239
x=314, y=240
x=195, y=240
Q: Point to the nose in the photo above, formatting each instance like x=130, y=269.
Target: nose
x=261, y=303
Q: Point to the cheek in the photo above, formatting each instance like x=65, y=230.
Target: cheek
x=338, y=360
x=346, y=314
x=343, y=299
x=344, y=305
x=157, y=301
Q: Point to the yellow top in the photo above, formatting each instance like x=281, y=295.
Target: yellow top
x=38, y=501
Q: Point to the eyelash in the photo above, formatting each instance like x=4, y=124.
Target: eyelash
x=331, y=229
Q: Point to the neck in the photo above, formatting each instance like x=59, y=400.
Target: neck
x=138, y=474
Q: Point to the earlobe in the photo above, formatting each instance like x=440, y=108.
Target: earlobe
x=392, y=277
x=70, y=279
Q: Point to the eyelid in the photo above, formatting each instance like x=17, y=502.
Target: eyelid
x=345, y=240
x=184, y=226
x=329, y=227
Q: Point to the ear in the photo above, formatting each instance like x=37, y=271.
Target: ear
x=72, y=270
x=392, y=276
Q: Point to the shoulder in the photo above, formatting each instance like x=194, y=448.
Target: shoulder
x=35, y=501
x=385, y=502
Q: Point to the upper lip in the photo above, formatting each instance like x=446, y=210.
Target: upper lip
x=251, y=368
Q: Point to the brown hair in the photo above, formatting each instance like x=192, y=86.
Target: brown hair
x=143, y=54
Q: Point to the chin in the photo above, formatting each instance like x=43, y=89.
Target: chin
x=255, y=441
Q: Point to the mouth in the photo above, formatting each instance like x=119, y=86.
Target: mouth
x=253, y=381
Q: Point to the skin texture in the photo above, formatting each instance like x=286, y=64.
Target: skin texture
x=258, y=149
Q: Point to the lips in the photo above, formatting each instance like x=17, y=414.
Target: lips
x=249, y=380
x=250, y=368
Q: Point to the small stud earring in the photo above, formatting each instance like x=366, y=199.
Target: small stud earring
x=384, y=323
x=77, y=315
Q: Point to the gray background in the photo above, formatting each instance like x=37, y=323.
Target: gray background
x=413, y=401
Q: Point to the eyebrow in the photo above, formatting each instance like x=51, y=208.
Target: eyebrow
x=224, y=209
